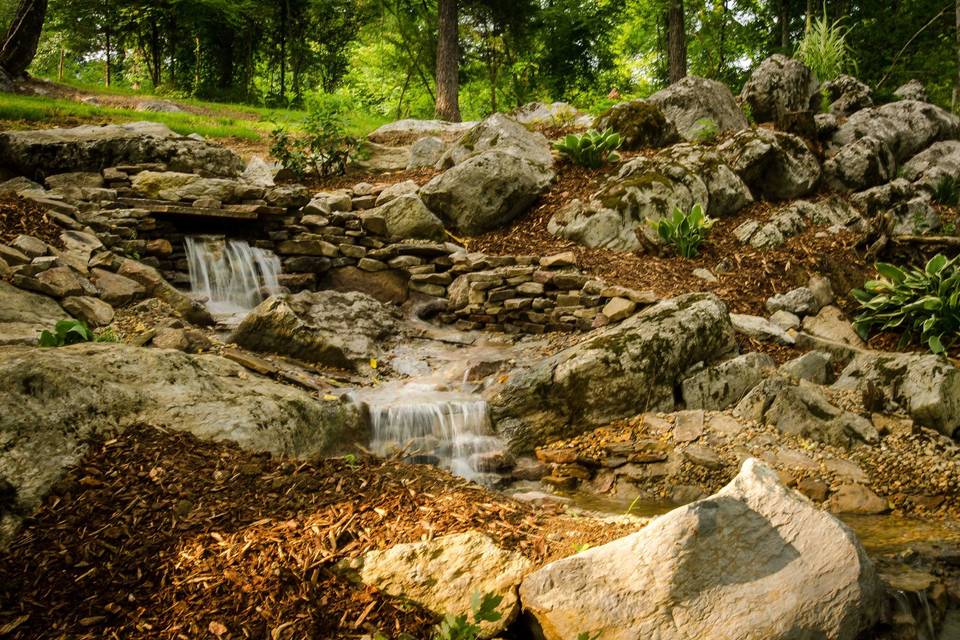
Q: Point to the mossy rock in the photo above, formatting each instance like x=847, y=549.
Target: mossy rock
x=641, y=124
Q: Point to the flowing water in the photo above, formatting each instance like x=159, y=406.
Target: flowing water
x=430, y=424
x=230, y=276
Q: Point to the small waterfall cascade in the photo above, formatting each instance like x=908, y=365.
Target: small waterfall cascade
x=230, y=275
x=448, y=429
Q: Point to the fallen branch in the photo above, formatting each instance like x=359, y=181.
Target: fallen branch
x=950, y=241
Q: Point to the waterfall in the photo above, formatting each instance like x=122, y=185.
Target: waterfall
x=230, y=275
x=442, y=428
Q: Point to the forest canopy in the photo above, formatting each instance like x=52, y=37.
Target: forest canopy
x=382, y=54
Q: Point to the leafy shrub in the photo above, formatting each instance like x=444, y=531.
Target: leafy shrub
x=825, y=50
x=324, y=149
x=705, y=131
x=921, y=303
x=685, y=232
x=458, y=628
x=947, y=191
x=592, y=149
x=66, y=332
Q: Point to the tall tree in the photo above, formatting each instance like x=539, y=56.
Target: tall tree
x=676, y=42
x=956, y=86
x=19, y=44
x=448, y=62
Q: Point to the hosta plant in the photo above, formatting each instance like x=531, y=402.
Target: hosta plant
x=920, y=304
x=592, y=149
x=685, y=232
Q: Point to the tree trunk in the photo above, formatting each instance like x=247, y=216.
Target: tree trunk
x=284, y=12
x=448, y=62
x=784, y=24
x=956, y=87
x=676, y=42
x=63, y=53
x=106, y=67
x=19, y=44
x=809, y=14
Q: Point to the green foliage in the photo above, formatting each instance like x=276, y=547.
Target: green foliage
x=484, y=609
x=66, y=332
x=825, y=50
x=747, y=109
x=705, y=131
x=920, y=303
x=825, y=101
x=585, y=635
x=592, y=149
x=324, y=148
x=947, y=191
x=685, y=232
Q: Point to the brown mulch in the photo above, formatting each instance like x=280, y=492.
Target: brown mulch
x=420, y=176
x=162, y=535
x=752, y=275
x=22, y=217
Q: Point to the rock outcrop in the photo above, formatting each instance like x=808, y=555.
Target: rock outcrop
x=90, y=148
x=775, y=165
x=778, y=87
x=502, y=133
x=686, y=102
x=23, y=315
x=756, y=560
x=343, y=330
x=53, y=400
x=615, y=372
x=640, y=124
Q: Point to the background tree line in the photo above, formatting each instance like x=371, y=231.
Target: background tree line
x=415, y=57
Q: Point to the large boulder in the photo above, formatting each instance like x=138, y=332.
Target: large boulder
x=410, y=130
x=847, y=95
x=617, y=371
x=778, y=87
x=155, y=285
x=502, y=133
x=53, y=400
x=343, y=330
x=926, y=387
x=864, y=163
x=724, y=384
x=173, y=186
x=23, y=315
x=775, y=165
x=693, y=99
x=443, y=574
x=909, y=206
x=929, y=167
x=906, y=127
x=486, y=191
x=912, y=90
x=640, y=124
x=90, y=148
x=407, y=217
x=648, y=189
x=755, y=560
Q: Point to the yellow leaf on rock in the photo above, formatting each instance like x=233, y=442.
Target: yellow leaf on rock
x=330, y=398
x=373, y=363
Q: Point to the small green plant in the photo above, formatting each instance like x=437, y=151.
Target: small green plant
x=922, y=303
x=747, y=109
x=705, y=131
x=324, y=149
x=580, y=548
x=592, y=149
x=106, y=335
x=947, y=191
x=825, y=50
x=825, y=101
x=484, y=609
x=685, y=232
x=584, y=635
x=66, y=332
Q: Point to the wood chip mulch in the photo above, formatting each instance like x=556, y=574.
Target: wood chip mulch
x=22, y=217
x=161, y=535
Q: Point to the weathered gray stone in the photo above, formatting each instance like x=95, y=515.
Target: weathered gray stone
x=930, y=166
x=24, y=315
x=783, y=570
x=692, y=99
x=115, y=289
x=805, y=411
x=394, y=191
x=830, y=324
x=847, y=95
x=760, y=328
x=780, y=86
x=641, y=125
x=157, y=287
x=725, y=384
x=906, y=127
x=501, y=133
x=408, y=130
x=407, y=217
x=96, y=313
x=813, y=366
x=426, y=152
x=619, y=371
x=799, y=301
x=187, y=186
x=335, y=329
x=53, y=401
x=861, y=164
x=775, y=165
x=912, y=90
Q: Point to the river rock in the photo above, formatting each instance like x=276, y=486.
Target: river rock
x=486, y=191
x=780, y=86
x=756, y=560
x=334, y=329
x=926, y=387
x=407, y=217
x=856, y=498
x=174, y=186
x=23, y=315
x=442, y=575
x=640, y=124
x=775, y=165
x=53, y=400
x=723, y=385
x=115, y=289
x=693, y=99
x=90, y=148
x=649, y=189
x=502, y=133
x=618, y=371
